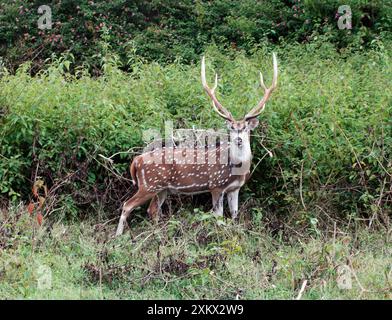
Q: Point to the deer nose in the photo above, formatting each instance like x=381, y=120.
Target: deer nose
x=238, y=141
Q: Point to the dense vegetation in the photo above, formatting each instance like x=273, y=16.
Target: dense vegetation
x=107, y=71
x=328, y=127
x=166, y=30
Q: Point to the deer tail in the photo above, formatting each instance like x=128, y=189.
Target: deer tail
x=133, y=172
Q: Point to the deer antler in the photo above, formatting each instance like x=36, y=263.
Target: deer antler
x=211, y=92
x=267, y=91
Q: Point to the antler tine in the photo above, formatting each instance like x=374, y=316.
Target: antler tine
x=267, y=91
x=262, y=81
x=215, y=84
x=275, y=64
x=211, y=93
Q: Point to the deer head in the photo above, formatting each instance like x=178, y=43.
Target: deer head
x=240, y=151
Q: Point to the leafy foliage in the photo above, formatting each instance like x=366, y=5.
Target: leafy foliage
x=166, y=30
x=328, y=126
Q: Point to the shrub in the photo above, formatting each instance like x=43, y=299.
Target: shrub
x=165, y=30
x=328, y=126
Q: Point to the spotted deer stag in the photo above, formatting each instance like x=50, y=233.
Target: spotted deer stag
x=223, y=170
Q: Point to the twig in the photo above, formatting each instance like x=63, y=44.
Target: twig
x=302, y=290
x=116, y=174
x=106, y=222
x=144, y=240
x=221, y=280
x=261, y=159
x=356, y=277
x=351, y=146
x=268, y=151
x=117, y=153
x=334, y=240
x=378, y=203
x=100, y=282
x=381, y=165
x=295, y=231
x=300, y=186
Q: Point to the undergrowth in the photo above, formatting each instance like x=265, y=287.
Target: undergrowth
x=189, y=256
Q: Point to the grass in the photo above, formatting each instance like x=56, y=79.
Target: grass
x=188, y=256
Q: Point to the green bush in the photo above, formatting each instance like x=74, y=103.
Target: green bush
x=328, y=126
x=166, y=30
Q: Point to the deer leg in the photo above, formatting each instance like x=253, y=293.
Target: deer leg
x=161, y=197
x=154, y=209
x=232, y=199
x=217, y=203
x=137, y=200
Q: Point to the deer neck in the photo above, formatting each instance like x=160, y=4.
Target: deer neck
x=241, y=156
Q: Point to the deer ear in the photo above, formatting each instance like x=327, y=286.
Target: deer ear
x=229, y=124
x=253, y=123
